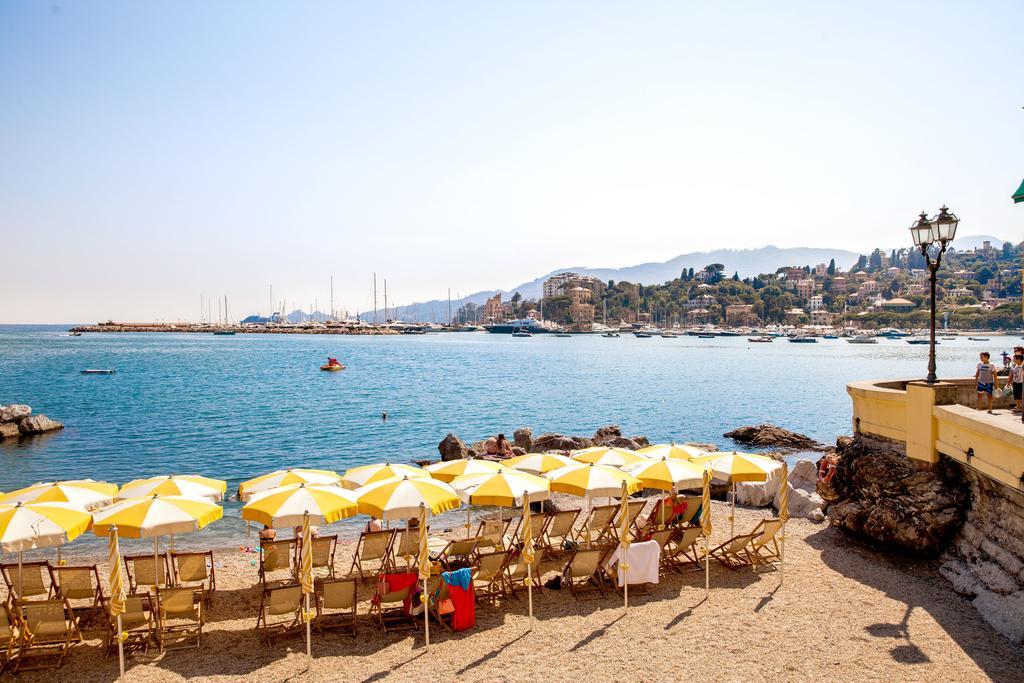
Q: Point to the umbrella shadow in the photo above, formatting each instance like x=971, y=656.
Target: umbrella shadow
x=490, y=655
x=684, y=614
x=768, y=598
x=387, y=672
x=595, y=634
x=907, y=653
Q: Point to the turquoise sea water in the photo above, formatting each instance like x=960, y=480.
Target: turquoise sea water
x=236, y=407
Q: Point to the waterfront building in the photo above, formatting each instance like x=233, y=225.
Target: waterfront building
x=821, y=317
x=795, y=315
x=493, y=310
x=581, y=311
x=805, y=288
x=740, y=315
x=560, y=284
x=898, y=304
x=817, y=302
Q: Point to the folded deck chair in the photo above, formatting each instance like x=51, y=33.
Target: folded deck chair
x=30, y=582
x=453, y=604
x=461, y=552
x=517, y=571
x=48, y=629
x=736, y=553
x=336, y=605
x=374, y=546
x=137, y=625
x=392, y=603
x=597, y=528
x=280, y=611
x=276, y=556
x=195, y=570
x=179, y=617
x=10, y=637
x=682, y=549
x=80, y=586
x=489, y=576
x=324, y=548
x=142, y=571
x=582, y=572
x=559, y=529
x=765, y=547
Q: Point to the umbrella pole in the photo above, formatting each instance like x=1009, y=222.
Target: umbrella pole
x=58, y=556
x=732, y=515
x=21, y=578
x=309, y=639
x=589, y=511
x=156, y=560
x=120, y=647
x=426, y=616
x=707, y=567
x=529, y=592
x=467, y=521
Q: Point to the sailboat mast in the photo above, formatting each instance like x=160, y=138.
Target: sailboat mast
x=449, y=307
x=375, y=298
x=385, y=300
x=332, y=298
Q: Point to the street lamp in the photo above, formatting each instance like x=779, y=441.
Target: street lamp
x=933, y=237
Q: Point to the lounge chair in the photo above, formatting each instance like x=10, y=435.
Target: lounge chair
x=10, y=637
x=583, y=572
x=276, y=556
x=195, y=570
x=558, y=530
x=29, y=582
x=736, y=553
x=633, y=509
x=280, y=611
x=409, y=547
x=137, y=623
x=142, y=572
x=765, y=548
x=538, y=526
x=597, y=528
x=391, y=605
x=324, y=548
x=49, y=628
x=374, y=546
x=516, y=572
x=690, y=514
x=461, y=552
x=491, y=533
x=489, y=576
x=336, y=605
x=79, y=585
x=180, y=617
x=682, y=549
x=663, y=537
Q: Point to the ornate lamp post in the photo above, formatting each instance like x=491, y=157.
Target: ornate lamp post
x=932, y=237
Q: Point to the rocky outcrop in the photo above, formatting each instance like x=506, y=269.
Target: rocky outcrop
x=9, y=430
x=523, y=438
x=17, y=420
x=559, y=442
x=452, y=448
x=38, y=424
x=884, y=497
x=773, y=436
x=14, y=412
x=804, y=501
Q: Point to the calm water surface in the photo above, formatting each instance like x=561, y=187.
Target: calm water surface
x=236, y=407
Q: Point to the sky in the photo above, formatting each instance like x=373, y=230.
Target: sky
x=152, y=153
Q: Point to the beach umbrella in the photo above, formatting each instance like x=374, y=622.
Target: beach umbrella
x=117, y=596
x=705, y=527
x=26, y=526
x=591, y=481
x=369, y=474
x=291, y=505
x=154, y=516
x=608, y=456
x=667, y=474
x=503, y=489
x=423, y=566
x=527, y=552
x=285, y=477
x=736, y=467
x=784, y=516
x=401, y=498
x=679, y=451
x=538, y=463
x=624, y=542
x=446, y=471
x=188, y=485
x=306, y=581
x=85, y=493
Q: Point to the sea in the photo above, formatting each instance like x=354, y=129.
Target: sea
x=234, y=407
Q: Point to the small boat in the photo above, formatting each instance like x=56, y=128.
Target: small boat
x=705, y=336
x=918, y=341
x=803, y=340
x=642, y=335
x=224, y=333
x=610, y=335
x=829, y=336
x=522, y=333
x=668, y=335
x=977, y=339
x=332, y=368
x=563, y=334
x=760, y=340
x=862, y=339
x=94, y=371
x=413, y=330
x=75, y=334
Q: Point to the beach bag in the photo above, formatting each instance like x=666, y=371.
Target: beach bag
x=1007, y=391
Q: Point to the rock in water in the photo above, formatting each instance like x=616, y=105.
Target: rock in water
x=523, y=438
x=38, y=424
x=452, y=448
x=607, y=433
x=9, y=430
x=774, y=436
x=14, y=412
x=559, y=442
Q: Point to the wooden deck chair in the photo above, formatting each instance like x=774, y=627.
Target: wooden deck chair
x=179, y=617
x=137, y=623
x=559, y=529
x=663, y=537
x=10, y=638
x=516, y=572
x=583, y=572
x=633, y=509
x=48, y=630
x=280, y=611
x=765, y=548
x=80, y=586
x=598, y=523
x=489, y=576
x=491, y=533
x=324, y=548
x=736, y=552
x=538, y=526
x=388, y=606
x=682, y=550
x=374, y=546
x=461, y=552
x=689, y=516
x=653, y=521
x=409, y=547
x=336, y=606
x=276, y=556
x=32, y=578
x=142, y=572
x=195, y=570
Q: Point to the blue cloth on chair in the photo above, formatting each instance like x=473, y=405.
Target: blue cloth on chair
x=460, y=577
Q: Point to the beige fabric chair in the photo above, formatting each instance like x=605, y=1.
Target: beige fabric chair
x=336, y=606
x=599, y=524
x=491, y=533
x=582, y=572
x=324, y=548
x=280, y=611
x=48, y=629
x=737, y=552
x=409, y=547
x=30, y=582
x=516, y=572
x=682, y=550
x=137, y=622
x=765, y=547
x=374, y=546
x=10, y=638
x=559, y=529
x=142, y=572
x=388, y=606
x=180, y=617
x=276, y=556
x=462, y=550
x=195, y=570
x=489, y=576
x=80, y=586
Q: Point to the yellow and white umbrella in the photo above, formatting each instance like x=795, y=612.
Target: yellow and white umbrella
x=117, y=592
x=85, y=493
x=608, y=456
x=591, y=481
x=526, y=553
x=189, y=485
x=369, y=474
x=679, y=451
x=706, y=529
x=736, y=467
x=290, y=505
x=25, y=526
x=423, y=571
x=667, y=474
x=447, y=471
x=286, y=477
x=306, y=581
x=395, y=498
x=624, y=543
x=538, y=463
x=503, y=489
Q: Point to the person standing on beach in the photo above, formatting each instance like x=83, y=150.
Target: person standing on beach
x=985, y=379
x=1016, y=380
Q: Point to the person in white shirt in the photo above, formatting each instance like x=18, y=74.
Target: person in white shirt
x=985, y=378
x=1016, y=381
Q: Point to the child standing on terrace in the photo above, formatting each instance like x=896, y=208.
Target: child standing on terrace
x=985, y=378
x=1017, y=380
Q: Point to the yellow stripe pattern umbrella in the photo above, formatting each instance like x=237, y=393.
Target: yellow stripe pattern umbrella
x=285, y=477
x=424, y=549
x=677, y=451
x=592, y=480
x=86, y=493
x=117, y=595
x=784, y=494
x=538, y=463
x=737, y=466
x=306, y=557
x=705, y=527
x=608, y=456
x=447, y=471
x=504, y=489
x=156, y=515
x=24, y=526
x=401, y=498
x=190, y=485
x=369, y=474
x=291, y=505
x=667, y=474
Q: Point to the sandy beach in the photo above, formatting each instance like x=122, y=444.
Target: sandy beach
x=838, y=611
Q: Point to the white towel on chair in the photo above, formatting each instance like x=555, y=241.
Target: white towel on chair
x=643, y=560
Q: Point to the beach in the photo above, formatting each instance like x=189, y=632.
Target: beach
x=838, y=611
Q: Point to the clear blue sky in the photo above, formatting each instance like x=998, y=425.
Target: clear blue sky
x=151, y=152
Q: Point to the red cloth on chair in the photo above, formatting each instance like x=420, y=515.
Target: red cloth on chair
x=465, y=607
x=396, y=582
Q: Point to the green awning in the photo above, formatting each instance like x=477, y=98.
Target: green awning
x=1018, y=196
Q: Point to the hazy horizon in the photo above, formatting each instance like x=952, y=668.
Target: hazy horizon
x=155, y=153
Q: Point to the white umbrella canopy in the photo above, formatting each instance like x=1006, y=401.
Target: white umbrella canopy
x=668, y=474
x=503, y=489
x=591, y=481
x=395, y=498
x=286, y=477
x=538, y=463
x=188, y=485
x=156, y=515
x=298, y=503
x=369, y=474
x=446, y=471
x=85, y=493
x=26, y=526
x=680, y=451
x=608, y=456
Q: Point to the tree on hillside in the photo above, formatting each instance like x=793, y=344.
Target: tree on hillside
x=736, y=276
x=875, y=261
x=984, y=275
x=1007, y=250
x=862, y=263
x=832, y=268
